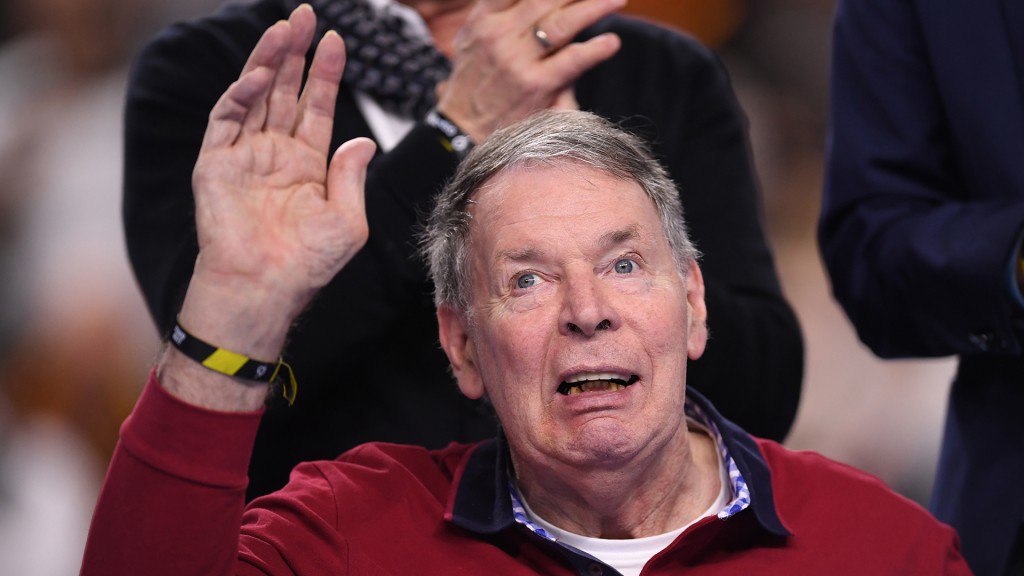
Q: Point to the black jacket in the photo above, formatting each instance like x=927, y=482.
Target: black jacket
x=366, y=353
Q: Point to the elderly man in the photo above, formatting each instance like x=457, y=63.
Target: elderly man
x=508, y=59
x=568, y=295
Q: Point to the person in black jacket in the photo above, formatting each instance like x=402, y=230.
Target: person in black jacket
x=506, y=60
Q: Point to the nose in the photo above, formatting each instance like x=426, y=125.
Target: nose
x=587, y=307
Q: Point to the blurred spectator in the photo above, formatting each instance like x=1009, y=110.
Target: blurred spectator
x=74, y=333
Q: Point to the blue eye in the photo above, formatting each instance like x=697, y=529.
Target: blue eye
x=624, y=266
x=526, y=281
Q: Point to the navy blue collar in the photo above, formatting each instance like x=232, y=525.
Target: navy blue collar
x=482, y=502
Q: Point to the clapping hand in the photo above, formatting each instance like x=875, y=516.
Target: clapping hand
x=515, y=57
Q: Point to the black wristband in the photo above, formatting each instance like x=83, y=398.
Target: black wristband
x=451, y=136
x=232, y=363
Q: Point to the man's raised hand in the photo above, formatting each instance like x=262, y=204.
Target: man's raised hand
x=274, y=218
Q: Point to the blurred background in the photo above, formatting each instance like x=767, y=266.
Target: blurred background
x=76, y=341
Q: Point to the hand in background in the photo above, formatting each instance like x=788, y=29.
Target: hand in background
x=503, y=73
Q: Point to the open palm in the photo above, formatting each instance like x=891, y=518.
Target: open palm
x=271, y=212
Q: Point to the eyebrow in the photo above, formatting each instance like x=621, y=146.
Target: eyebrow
x=621, y=236
x=606, y=241
x=518, y=255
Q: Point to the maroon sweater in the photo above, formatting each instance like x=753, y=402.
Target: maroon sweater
x=174, y=497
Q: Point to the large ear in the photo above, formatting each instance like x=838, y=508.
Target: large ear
x=458, y=346
x=697, y=313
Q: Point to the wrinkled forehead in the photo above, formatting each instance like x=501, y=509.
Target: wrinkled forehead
x=525, y=178
x=558, y=202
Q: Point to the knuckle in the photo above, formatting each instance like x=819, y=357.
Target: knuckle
x=575, y=59
x=557, y=28
x=536, y=6
x=535, y=86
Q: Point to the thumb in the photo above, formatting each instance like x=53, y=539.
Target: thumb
x=440, y=89
x=346, y=174
x=566, y=100
x=346, y=181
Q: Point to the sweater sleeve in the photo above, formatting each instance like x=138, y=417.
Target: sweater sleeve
x=174, y=493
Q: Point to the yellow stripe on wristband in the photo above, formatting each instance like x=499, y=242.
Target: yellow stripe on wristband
x=225, y=361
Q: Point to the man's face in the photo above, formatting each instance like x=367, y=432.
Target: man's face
x=581, y=321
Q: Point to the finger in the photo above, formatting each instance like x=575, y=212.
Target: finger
x=346, y=183
x=566, y=100
x=563, y=23
x=281, y=106
x=267, y=54
x=495, y=5
x=319, y=97
x=513, y=16
x=569, y=63
x=231, y=110
x=528, y=11
x=440, y=88
x=524, y=14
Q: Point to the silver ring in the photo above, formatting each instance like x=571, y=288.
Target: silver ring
x=542, y=37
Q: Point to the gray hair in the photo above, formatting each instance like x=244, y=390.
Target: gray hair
x=547, y=138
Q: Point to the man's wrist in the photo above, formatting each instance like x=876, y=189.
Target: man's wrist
x=251, y=320
x=230, y=363
x=195, y=384
x=449, y=134
x=244, y=319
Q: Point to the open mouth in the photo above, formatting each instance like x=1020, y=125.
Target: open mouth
x=604, y=382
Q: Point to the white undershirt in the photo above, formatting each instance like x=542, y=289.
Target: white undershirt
x=629, y=556
x=389, y=128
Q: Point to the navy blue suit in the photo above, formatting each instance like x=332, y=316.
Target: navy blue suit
x=921, y=222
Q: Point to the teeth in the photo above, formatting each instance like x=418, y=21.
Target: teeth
x=596, y=382
x=597, y=376
x=595, y=386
